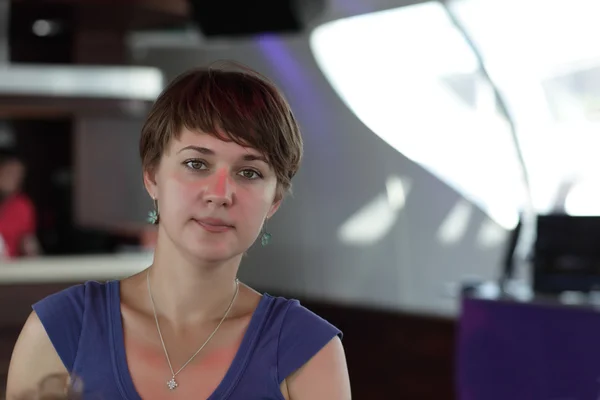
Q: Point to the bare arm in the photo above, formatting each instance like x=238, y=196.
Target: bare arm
x=34, y=358
x=30, y=246
x=324, y=377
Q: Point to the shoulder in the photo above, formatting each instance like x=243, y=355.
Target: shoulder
x=71, y=300
x=62, y=316
x=325, y=376
x=298, y=318
x=301, y=334
x=33, y=359
x=21, y=201
x=292, y=313
x=19, y=206
x=310, y=357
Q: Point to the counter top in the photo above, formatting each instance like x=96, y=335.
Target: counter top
x=64, y=269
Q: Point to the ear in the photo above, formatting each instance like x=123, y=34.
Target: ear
x=274, y=207
x=150, y=182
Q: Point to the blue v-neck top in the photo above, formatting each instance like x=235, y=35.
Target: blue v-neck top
x=84, y=325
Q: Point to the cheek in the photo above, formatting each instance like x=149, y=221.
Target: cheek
x=258, y=198
x=175, y=195
x=256, y=210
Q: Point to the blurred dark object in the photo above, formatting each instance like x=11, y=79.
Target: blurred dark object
x=60, y=31
x=247, y=18
x=566, y=254
x=510, y=258
x=56, y=387
x=74, y=241
x=51, y=35
x=57, y=29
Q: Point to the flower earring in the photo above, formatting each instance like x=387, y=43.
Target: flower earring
x=153, y=215
x=265, y=237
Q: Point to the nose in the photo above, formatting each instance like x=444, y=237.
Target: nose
x=219, y=190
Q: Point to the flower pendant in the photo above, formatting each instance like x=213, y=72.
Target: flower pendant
x=172, y=384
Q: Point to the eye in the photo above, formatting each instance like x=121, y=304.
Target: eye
x=250, y=174
x=195, y=164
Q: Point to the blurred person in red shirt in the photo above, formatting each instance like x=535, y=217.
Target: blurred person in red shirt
x=17, y=213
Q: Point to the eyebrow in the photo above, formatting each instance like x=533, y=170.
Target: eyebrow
x=209, y=152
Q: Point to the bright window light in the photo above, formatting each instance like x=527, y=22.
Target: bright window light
x=583, y=199
x=411, y=78
x=545, y=58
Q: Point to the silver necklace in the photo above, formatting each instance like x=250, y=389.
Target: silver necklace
x=172, y=383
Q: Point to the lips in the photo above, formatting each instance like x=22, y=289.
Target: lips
x=214, y=225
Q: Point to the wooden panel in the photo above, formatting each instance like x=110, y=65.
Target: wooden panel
x=100, y=47
x=394, y=355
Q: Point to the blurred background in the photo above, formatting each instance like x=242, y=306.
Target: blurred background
x=446, y=213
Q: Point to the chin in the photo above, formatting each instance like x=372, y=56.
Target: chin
x=214, y=252
x=210, y=247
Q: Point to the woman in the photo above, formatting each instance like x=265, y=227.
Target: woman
x=17, y=213
x=219, y=150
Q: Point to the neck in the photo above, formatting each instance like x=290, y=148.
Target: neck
x=190, y=291
x=4, y=196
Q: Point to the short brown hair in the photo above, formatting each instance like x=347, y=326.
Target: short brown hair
x=236, y=105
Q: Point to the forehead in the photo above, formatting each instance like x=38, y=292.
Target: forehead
x=212, y=142
x=11, y=165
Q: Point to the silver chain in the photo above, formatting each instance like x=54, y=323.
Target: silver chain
x=172, y=384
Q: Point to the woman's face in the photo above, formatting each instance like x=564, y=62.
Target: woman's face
x=11, y=177
x=213, y=196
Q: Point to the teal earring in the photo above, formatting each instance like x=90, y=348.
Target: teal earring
x=265, y=237
x=153, y=216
